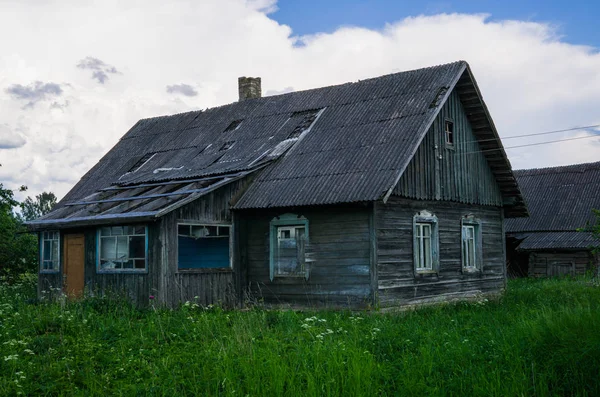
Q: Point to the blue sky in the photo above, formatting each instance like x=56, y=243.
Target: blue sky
x=577, y=21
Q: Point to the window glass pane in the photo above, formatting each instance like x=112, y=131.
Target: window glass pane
x=426, y=230
x=427, y=252
x=183, y=230
x=140, y=230
x=200, y=231
x=223, y=230
x=46, y=250
x=117, y=230
x=128, y=264
x=137, y=246
x=108, y=248
x=122, y=248
x=140, y=263
x=418, y=230
x=105, y=231
x=55, y=251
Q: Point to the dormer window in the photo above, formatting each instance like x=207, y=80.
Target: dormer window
x=449, y=132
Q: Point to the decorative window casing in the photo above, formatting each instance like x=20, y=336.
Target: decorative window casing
x=50, y=251
x=471, y=244
x=425, y=243
x=122, y=249
x=203, y=246
x=289, y=236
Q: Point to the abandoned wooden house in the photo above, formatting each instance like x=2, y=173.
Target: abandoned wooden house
x=386, y=191
x=560, y=201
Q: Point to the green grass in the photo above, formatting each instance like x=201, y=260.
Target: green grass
x=542, y=338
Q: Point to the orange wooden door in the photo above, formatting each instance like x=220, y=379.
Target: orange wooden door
x=74, y=256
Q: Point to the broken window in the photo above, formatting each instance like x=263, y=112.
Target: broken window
x=307, y=118
x=234, y=125
x=203, y=246
x=122, y=248
x=141, y=162
x=471, y=244
x=425, y=243
x=449, y=132
x=289, y=238
x=50, y=252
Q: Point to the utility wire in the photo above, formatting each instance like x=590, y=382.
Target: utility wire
x=532, y=144
x=537, y=133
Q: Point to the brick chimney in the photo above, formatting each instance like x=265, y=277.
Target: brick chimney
x=249, y=87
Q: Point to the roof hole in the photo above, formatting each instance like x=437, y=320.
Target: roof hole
x=438, y=97
x=141, y=162
x=227, y=145
x=234, y=125
x=307, y=118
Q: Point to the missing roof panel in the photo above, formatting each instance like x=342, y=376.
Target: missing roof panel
x=438, y=97
x=227, y=145
x=307, y=118
x=234, y=125
x=141, y=162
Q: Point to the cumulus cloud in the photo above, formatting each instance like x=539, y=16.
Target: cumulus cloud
x=182, y=89
x=100, y=70
x=34, y=92
x=531, y=80
x=10, y=139
x=279, y=92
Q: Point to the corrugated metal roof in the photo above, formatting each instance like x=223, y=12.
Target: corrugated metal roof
x=361, y=141
x=558, y=198
x=557, y=240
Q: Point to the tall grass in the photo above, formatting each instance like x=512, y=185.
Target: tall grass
x=542, y=338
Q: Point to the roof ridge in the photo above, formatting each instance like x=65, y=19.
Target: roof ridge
x=579, y=167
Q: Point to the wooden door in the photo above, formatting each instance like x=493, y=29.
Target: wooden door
x=74, y=257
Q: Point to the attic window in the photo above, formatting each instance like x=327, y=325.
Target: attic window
x=234, y=125
x=227, y=145
x=449, y=132
x=307, y=118
x=141, y=162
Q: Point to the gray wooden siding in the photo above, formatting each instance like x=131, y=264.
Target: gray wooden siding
x=560, y=263
x=397, y=282
x=462, y=174
x=340, y=245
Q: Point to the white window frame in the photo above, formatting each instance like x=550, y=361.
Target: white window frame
x=99, y=259
x=469, y=222
x=421, y=220
x=205, y=225
x=289, y=222
x=54, y=240
x=448, y=134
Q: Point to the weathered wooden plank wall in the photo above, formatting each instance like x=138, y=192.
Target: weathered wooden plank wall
x=558, y=263
x=397, y=282
x=462, y=174
x=340, y=246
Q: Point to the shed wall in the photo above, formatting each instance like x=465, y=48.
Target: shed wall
x=560, y=263
x=397, y=282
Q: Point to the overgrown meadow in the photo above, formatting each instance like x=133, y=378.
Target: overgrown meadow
x=542, y=338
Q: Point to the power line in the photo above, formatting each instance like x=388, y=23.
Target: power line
x=538, y=133
x=532, y=144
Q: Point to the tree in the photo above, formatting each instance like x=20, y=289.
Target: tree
x=43, y=203
x=18, y=248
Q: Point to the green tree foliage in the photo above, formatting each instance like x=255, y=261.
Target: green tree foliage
x=18, y=249
x=43, y=203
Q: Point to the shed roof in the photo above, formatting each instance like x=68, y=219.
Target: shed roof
x=560, y=201
x=556, y=240
x=337, y=144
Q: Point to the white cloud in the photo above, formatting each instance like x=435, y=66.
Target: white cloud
x=531, y=80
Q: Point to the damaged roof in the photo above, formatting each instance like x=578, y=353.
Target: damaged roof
x=337, y=144
x=560, y=201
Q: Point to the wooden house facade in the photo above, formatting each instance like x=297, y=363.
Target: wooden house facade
x=387, y=192
x=553, y=241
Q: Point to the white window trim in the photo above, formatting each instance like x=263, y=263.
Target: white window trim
x=42, y=239
x=206, y=269
x=470, y=221
x=100, y=270
x=426, y=217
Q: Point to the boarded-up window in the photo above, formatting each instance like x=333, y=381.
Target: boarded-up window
x=203, y=246
x=289, y=238
x=122, y=248
x=50, y=252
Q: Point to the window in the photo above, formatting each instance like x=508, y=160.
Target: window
x=471, y=244
x=289, y=237
x=449, y=132
x=122, y=249
x=50, y=252
x=425, y=243
x=203, y=246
